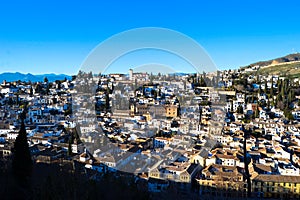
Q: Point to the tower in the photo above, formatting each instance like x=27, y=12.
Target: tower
x=131, y=74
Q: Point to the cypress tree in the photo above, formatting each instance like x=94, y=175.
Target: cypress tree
x=240, y=109
x=247, y=161
x=266, y=87
x=22, y=163
x=272, y=87
x=70, y=147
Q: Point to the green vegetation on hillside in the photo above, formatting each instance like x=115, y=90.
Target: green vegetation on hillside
x=291, y=70
x=284, y=59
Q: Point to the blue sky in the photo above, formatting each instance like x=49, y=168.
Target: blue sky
x=55, y=37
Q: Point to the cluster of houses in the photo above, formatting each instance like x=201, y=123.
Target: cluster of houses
x=272, y=143
x=163, y=129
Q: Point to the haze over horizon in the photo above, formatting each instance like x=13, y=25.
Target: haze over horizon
x=55, y=37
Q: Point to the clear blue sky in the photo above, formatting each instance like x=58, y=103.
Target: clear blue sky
x=56, y=36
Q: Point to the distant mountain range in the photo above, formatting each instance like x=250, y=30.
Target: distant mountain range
x=9, y=76
x=286, y=65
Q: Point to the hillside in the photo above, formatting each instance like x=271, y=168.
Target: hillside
x=284, y=66
x=289, y=69
x=284, y=59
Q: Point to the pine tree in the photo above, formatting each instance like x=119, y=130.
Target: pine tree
x=22, y=163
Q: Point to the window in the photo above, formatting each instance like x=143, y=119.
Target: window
x=287, y=184
x=271, y=183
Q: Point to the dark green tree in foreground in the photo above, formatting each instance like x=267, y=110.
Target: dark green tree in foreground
x=247, y=161
x=22, y=163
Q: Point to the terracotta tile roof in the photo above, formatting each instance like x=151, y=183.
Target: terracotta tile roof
x=277, y=178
